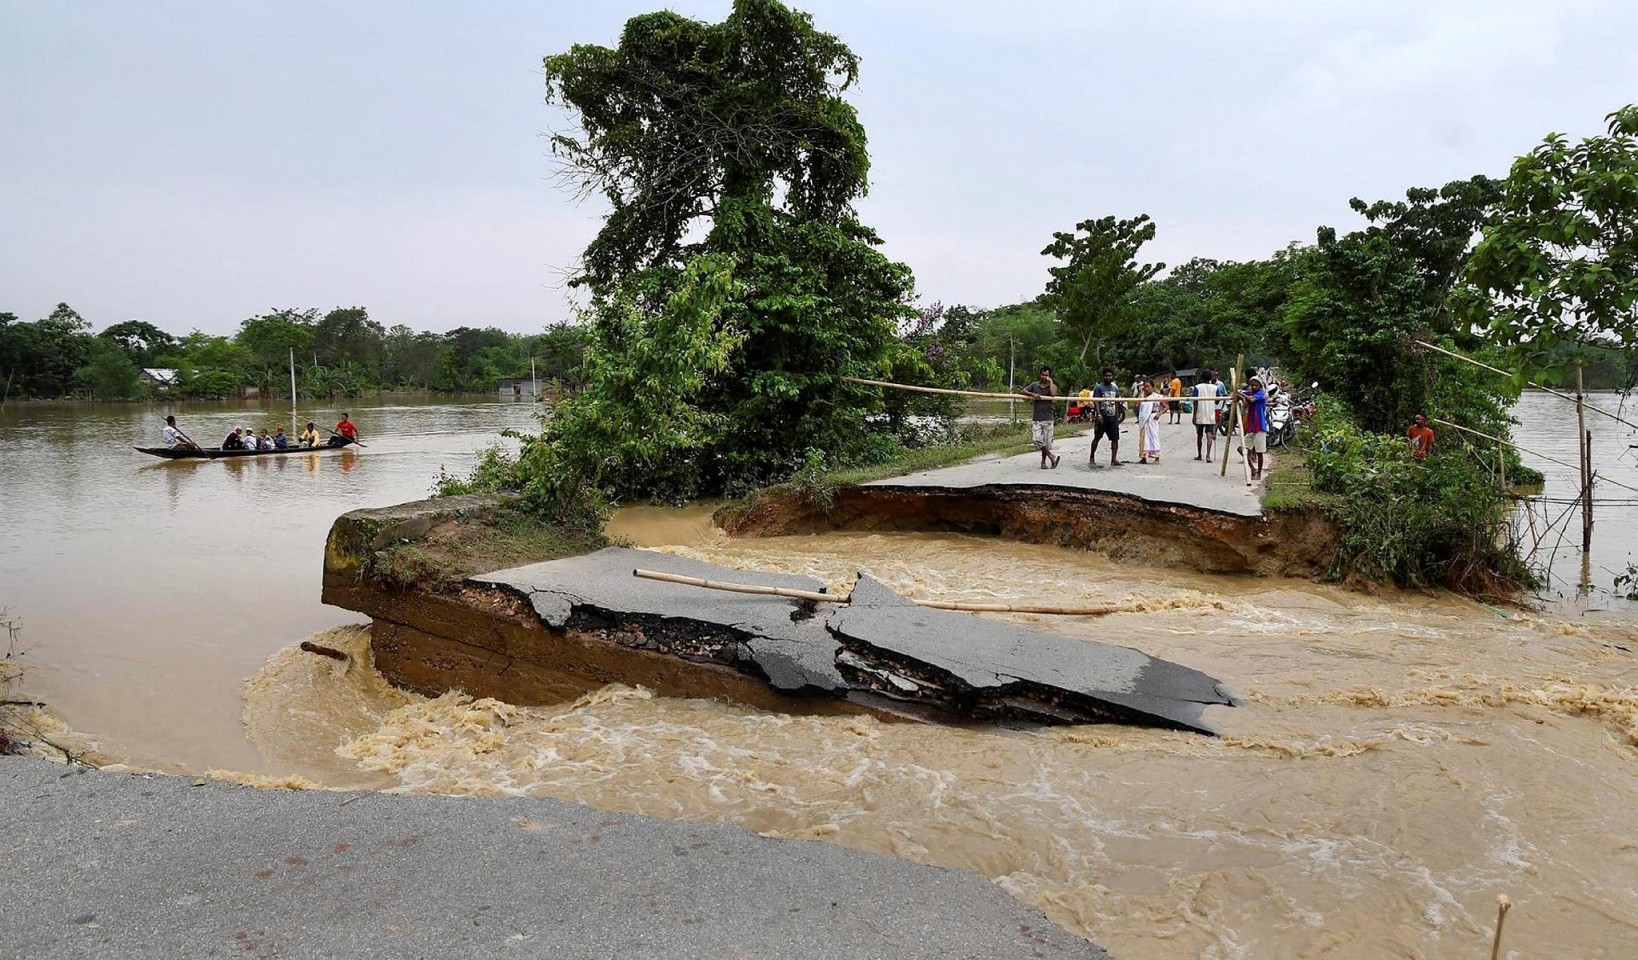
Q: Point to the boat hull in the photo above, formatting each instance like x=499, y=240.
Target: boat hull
x=209, y=453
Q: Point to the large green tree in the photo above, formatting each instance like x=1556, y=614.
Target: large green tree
x=1354, y=317
x=347, y=336
x=1560, y=254
x=141, y=341
x=275, y=335
x=1093, y=290
x=733, y=139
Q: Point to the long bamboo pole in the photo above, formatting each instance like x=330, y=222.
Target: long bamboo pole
x=1562, y=463
x=843, y=598
x=979, y=394
x=732, y=587
x=1562, y=396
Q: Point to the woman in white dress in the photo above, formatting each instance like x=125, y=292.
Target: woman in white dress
x=1149, y=423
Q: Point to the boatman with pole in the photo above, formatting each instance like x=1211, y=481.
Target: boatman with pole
x=175, y=439
x=345, y=432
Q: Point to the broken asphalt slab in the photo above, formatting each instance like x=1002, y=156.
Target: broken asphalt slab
x=755, y=634
x=991, y=667
x=881, y=646
x=147, y=866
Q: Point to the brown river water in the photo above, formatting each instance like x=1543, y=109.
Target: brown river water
x=1399, y=760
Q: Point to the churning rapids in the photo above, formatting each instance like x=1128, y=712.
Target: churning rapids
x=1399, y=762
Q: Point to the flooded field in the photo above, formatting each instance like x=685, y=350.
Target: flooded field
x=1398, y=762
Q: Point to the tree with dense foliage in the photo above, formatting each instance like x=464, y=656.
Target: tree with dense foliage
x=1093, y=289
x=732, y=139
x=142, y=342
x=1559, y=256
x=1353, y=319
x=109, y=373
x=274, y=336
x=642, y=424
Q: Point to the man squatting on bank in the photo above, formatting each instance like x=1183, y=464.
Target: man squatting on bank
x=1043, y=416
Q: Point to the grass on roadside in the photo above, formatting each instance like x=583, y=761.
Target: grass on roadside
x=1290, y=484
x=453, y=551
x=817, y=485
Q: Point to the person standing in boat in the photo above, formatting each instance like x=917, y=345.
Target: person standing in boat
x=174, y=439
x=309, y=437
x=345, y=431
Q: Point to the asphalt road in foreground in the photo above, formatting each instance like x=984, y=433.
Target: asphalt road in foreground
x=97, y=864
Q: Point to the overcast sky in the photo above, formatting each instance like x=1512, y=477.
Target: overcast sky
x=193, y=164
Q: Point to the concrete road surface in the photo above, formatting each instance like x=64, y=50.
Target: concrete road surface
x=1178, y=478
x=116, y=865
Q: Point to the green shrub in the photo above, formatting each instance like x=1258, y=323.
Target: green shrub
x=1442, y=521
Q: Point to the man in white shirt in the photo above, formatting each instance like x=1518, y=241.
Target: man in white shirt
x=174, y=438
x=1205, y=417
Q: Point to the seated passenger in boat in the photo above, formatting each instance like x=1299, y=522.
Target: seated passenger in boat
x=265, y=441
x=280, y=441
x=309, y=437
x=234, y=440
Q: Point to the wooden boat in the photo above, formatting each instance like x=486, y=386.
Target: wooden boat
x=216, y=453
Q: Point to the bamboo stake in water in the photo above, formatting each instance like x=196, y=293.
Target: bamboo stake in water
x=1585, y=440
x=1502, y=906
x=843, y=598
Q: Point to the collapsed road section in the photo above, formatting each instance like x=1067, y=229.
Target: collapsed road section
x=547, y=632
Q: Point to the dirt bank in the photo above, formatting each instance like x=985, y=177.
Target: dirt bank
x=433, y=631
x=1297, y=542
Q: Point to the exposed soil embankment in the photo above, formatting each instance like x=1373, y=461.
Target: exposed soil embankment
x=1297, y=543
x=434, y=631
x=549, y=631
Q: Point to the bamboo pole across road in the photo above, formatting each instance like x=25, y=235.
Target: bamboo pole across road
x=981, y=395
x=815, y=597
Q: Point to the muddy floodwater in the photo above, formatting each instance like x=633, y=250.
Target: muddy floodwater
x=1400, y=760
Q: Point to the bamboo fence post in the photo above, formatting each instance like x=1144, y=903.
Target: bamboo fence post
x=1584, y=439
x=1502, y=906
x=1235, y=376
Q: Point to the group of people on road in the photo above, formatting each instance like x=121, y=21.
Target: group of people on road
x=1208, y=398
x=247, y=439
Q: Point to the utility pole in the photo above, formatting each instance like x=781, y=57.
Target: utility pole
x=1012, y=405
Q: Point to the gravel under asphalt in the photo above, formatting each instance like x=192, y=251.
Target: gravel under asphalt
x=96, y=864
